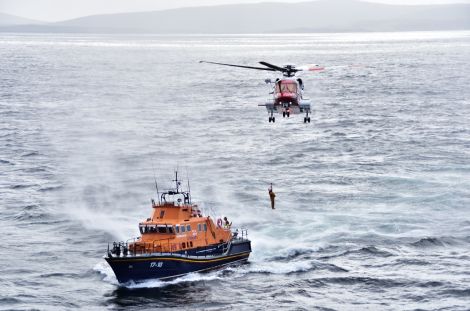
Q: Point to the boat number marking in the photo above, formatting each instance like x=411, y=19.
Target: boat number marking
x=154, y=264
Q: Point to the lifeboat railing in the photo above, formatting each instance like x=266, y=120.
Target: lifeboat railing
x=240, y=234
x=134, y=248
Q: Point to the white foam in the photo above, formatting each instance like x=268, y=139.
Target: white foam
x=191, y=277
x=104, y=269
x=274, y=267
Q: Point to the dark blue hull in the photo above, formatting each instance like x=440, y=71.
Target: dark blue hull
x=172, y=265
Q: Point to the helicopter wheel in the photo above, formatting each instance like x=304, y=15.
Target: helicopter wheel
x=288, y=114
x=283, y=114
x=308, y=119
x=274, y=119
x=305, y=120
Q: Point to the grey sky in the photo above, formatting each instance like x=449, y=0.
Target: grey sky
x=55, y=10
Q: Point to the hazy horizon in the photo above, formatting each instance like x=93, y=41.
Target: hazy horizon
x=59, y=10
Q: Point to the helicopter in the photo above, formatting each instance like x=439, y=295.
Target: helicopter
x=287, y=92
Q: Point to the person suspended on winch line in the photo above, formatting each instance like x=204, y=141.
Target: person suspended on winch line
x=272, y=195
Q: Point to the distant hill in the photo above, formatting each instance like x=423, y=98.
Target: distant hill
x=12, y=20
x=315, y=16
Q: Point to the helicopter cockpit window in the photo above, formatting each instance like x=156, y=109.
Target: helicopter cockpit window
x=288, y=87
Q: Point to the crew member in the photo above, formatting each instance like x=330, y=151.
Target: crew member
x=272, y=195
x=227, y=224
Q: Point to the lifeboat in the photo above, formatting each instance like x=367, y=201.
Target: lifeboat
x=175, y=240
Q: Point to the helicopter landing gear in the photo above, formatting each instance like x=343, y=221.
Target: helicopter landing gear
x=286, y=113
x=307, y=118
x=271, y=117
x=283, y=114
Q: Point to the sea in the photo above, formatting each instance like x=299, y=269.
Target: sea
x=372, y=196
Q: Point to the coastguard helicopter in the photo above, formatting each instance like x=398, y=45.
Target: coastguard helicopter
x=287, y=91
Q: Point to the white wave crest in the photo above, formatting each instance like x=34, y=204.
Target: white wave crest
x=191, y=277
x=274, y=267
x=104, y=269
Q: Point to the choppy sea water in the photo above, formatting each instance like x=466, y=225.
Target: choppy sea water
x=373, y=196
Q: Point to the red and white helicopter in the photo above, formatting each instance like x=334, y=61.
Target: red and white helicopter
x=287, y=91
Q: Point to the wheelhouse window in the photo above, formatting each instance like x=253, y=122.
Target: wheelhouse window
x=177, y=229
x=205, y=227
x=162, y=213
x=158, y=229
x=183, y=229
x=199, y=227
x=147, y=229
x=188, y=228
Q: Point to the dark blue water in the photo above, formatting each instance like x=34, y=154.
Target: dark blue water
x=372, y=196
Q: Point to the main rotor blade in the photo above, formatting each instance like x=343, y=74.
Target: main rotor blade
x=310, y=67
x=240, y=66
x=274, y=67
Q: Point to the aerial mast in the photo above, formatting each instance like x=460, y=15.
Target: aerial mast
x=189, y=189
x=156, y=185
x=176, y=181
x=158, y=193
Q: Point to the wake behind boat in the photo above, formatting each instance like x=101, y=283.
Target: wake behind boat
x=176, y=240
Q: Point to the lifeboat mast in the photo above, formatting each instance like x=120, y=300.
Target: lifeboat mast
x=186, y=194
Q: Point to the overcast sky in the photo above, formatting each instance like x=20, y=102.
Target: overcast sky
x=56, y=10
